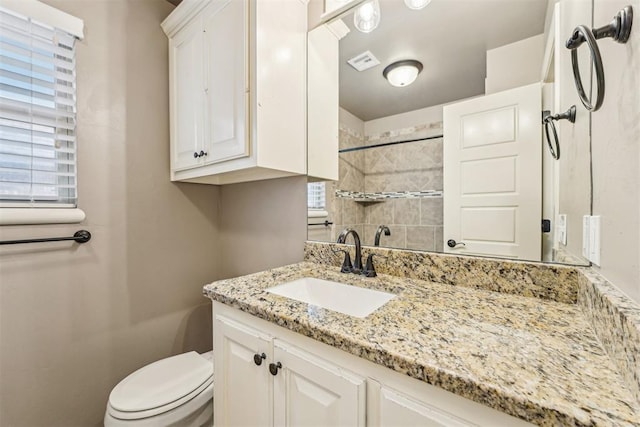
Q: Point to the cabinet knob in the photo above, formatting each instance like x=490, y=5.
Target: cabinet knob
x=202, y=153
x=273, y=368
x=195, y=155
x=258, y=358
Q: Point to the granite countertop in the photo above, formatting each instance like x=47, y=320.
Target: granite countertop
x=535, y=359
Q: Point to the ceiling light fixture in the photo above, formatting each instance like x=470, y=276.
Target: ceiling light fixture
x=416, y=4
x=367, y=17
x=402, y=73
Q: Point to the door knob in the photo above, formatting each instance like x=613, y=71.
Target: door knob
x=258, y=358
x=273, y=368
x=452, y=243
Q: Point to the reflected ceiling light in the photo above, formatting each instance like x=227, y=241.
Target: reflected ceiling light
x=367, y=17
x=402, y=73
x=416, y=4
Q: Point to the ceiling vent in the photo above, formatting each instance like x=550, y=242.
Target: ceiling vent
x=363, y=61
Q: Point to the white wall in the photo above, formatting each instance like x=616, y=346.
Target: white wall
x=345, y=118
x=404, y=120
x=616, y=153
x=514, y=65
x=574, y=175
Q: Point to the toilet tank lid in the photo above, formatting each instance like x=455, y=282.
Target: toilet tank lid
x=160, y=383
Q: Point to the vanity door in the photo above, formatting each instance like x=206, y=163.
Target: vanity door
x=309, y=391
x=242, y=383
x=399, y=410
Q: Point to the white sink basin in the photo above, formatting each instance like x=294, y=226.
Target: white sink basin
x=346, y=299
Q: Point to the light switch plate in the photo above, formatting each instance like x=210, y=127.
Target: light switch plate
x=586, y=236
x=561, y=229
x=594, y=239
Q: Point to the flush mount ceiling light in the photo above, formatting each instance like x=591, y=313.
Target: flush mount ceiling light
x=367, y=17
x=416, y=4
x=402, y=73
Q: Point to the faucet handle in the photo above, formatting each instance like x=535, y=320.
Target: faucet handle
x=347, y=267
x=369, y=269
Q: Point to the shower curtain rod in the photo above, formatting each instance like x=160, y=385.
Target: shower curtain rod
x=386, y=144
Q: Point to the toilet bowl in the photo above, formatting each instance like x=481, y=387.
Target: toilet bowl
x=176, y=391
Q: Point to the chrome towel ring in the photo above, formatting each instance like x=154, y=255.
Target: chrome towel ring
x=548, y=119
x=618, y=29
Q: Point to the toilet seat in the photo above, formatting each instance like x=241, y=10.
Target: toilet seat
x=161, y=387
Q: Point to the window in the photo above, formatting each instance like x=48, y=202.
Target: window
x=316, y=196
x=37, y=107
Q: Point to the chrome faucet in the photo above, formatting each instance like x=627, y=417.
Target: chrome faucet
x=379, y=231
x=342, y=238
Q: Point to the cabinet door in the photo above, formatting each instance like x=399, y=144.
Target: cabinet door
x=398, y=410
x=243, y=390
x=187, y=96
x=226, y=80
x=309, y=391
x=323, y=104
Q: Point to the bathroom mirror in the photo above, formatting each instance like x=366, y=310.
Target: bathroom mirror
x=395, y=166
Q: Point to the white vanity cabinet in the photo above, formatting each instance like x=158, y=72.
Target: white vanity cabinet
x=237, y=76
x=316, y=384
x=265, y=381
x=396, y=409
x=243, y=390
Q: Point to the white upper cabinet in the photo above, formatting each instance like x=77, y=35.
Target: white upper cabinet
x=187, y=112
x=226, y=80
x=323, y=100
x=237, y=90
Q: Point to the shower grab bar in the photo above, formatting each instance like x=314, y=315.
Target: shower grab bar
x=548, y=119
x=618, y=29
x=81, y=236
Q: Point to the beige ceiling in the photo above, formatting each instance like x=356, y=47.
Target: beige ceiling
x=450, y=37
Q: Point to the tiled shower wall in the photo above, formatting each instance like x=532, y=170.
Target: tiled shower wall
x=351, y=170
x=415, y=223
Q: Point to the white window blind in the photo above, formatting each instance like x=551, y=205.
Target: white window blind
x=316, y=195
x=37, y=113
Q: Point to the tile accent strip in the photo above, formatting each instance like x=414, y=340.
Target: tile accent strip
x=616, y=321
x=546, y=281
x=359, y=195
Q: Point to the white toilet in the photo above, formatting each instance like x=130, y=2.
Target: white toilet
x=176, y=391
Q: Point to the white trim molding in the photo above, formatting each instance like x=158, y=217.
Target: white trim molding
x=47, y=15
x=181, y=15
x=36, y=216
x=317, y=213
